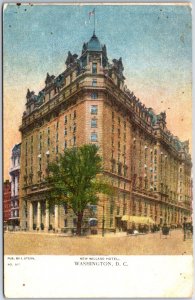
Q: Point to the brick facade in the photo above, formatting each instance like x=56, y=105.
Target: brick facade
x=6, y=202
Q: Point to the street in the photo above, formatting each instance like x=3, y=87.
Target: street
x=29, y=243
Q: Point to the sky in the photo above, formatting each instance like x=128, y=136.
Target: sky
x=154, y=41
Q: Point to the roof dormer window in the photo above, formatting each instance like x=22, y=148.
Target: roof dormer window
x=94, y=68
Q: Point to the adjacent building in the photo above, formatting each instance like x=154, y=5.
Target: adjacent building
x=89, y=103
x=6, y=203
x=15, y=178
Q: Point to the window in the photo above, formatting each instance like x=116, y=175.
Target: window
x=57, y=149
x=94, y=68
x=94, y=82
x=65, y=131
x=125, y=171
x=94, y=109
x=75, y=222
x=65, y=144
x=113, y=166
x=119, y=168
x=65, y=208
x=112, y=207
x=40, y=147
x=112, y=142
x=65, y=223
x=93, y=123
x=93, y=208
x=94, y=95
x=124, y=209
x=93, y=222
x=65, y=120
x=39, y=163
x=74, y=128
x=75, y=114
x=118, y=210
x=74, y=140
x=94, y=137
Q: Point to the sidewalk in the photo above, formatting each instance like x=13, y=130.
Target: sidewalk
x=30, y=243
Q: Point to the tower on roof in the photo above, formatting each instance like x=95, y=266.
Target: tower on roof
x=94, y=49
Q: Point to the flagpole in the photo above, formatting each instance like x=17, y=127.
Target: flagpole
x=94, y=21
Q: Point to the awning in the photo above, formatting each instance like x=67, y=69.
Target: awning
x=137, y=219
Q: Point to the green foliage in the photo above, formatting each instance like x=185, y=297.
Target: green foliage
x=77, y=178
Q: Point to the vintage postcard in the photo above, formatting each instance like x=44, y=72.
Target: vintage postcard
x=97, y=114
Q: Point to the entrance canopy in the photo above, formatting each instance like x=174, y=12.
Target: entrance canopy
x=137, y=219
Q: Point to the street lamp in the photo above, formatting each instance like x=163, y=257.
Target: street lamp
x=103, y=221
x=184, y=228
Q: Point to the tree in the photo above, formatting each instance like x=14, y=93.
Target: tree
x=76, y=180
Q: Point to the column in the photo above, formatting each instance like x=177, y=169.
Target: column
x=46, y=216
x=30, y=216
x=56, y=217
x=38, y=215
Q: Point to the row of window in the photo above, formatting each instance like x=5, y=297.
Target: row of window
x=70, y=117
x=73, y=129
x=119, y=120
x=14, y=203
x=72, y=142
x=14, y=213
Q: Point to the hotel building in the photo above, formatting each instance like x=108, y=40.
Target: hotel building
x=89, y=102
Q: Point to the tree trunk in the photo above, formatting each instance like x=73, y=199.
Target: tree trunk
x=79, y=223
